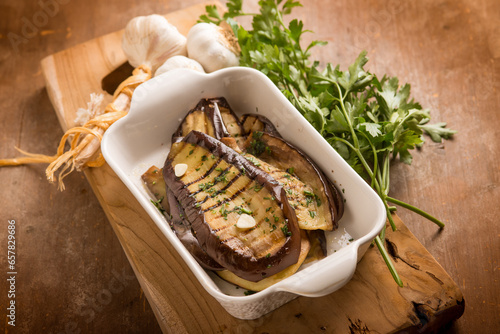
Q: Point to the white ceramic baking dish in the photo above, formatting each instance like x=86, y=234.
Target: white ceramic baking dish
x=142, y=138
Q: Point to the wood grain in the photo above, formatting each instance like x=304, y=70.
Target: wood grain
x=447, y=50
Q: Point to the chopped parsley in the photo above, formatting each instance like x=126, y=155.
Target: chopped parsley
x=257, y=188
x=285, y=231
x=257, y=146
x=158, y=205
x=205, y=186
x=310, y=197
x=222, y=177
x=240, y=210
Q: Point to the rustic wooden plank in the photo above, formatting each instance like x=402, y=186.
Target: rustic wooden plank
x=371, y=300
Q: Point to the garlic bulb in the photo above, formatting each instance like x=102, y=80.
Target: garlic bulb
x=214, y=47
x=150, y=40
x=179, y=62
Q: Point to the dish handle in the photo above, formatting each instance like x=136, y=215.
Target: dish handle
x=322, y=278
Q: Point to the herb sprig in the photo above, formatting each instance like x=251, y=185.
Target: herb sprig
x=367, y=120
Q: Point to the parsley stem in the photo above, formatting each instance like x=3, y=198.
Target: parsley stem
x=385, y=174
x=355, y=147
x=416, y=210
x=382, y=235
x=388, y=261
x=362, y=159
x=348, y=120
x=375, y=161
x=389, y=215
x=292, y=92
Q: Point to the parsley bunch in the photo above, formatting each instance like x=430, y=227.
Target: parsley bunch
x=367, y=120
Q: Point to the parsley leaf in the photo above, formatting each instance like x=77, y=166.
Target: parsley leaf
x=437, y=131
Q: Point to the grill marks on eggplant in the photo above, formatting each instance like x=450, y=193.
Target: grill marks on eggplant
x=220, y=185
x=265, y=238
x=198, y=121
x=232, y=123
x=223, y=190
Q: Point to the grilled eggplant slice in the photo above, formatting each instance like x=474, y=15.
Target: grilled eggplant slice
x=153, y=180
x=300, y=196
x=212, y=116
x=281, y=154
x=255, y=122
x=217, y=188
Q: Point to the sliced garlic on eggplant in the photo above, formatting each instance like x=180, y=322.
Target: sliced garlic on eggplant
x=245, y=222
x=180, y=169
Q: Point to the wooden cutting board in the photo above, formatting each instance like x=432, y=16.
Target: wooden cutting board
x=370, y=302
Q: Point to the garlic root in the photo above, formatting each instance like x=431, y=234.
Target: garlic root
x=82, y=150
x=84, y=158
x=147, y=42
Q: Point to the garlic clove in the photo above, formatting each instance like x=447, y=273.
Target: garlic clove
x=179, y=62
x=245, y=222
x=214, y=47
x=180, y=169
x=150, y=40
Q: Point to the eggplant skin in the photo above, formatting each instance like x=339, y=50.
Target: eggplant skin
x=182, y=228
x=242, y=263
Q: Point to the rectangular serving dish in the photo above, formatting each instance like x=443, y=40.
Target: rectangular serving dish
x=143, y=138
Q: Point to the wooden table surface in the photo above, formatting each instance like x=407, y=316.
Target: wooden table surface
x=73, y=275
